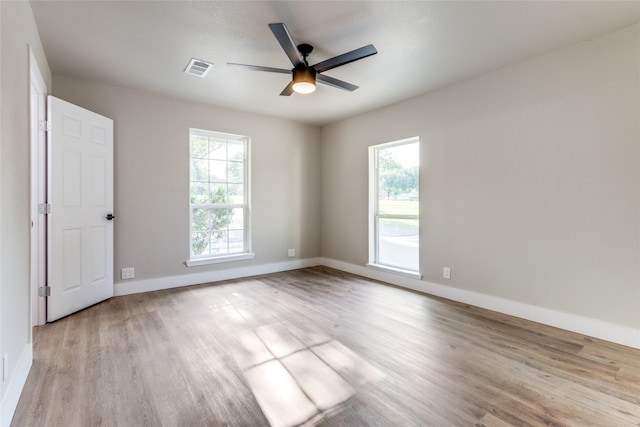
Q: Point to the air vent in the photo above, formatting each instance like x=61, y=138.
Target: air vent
x=198, y=68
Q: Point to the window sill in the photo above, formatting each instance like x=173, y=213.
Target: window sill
x=395, y=270
x=217, y=260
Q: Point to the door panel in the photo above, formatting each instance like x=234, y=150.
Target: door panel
x=80, y=240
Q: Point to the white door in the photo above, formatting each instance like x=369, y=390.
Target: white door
x=80, y=185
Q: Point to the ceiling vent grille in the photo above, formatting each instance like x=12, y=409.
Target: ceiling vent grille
x=198, y=68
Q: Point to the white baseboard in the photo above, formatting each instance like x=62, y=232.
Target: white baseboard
x=146, y=285
x=571, y=322
x=15, y=386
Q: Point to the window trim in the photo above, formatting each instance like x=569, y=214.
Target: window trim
x=401, y=271
x=374, y=216
x=219, y=259
x=247, y=253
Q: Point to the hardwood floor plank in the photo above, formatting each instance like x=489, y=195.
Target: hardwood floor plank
x=357, y=352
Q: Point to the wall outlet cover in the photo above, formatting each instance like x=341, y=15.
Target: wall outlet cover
x=127, y=273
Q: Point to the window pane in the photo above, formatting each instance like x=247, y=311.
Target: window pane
x=199, y=147
x=398, y=207
x=237, y=219
x=236, y=241
x=236, y=172
x=218, y=149
x=219, y=243
x=220, y=219
x=200, y=243
x=219, y=194
x=200, y=170
x=199, y=193
x=398, y=179
x=398, y=244
x=235, y=151
x=218, y=171
x=200, y=219
x=236, y=194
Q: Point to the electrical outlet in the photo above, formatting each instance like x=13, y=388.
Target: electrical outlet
x=446, y=273
x=291, y=253
x=128, y=273
x=5, y=367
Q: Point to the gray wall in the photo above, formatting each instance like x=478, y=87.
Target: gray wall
x=151, y=168
x=530, y=180
x=18, y=31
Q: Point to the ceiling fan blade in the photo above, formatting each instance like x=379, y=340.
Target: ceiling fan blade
x=258, y=68
x=287, y=91
x=330, y=81
x=286, y=41
x=345, y=58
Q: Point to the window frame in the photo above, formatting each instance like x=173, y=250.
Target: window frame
x=374, y=215
x=196, y=260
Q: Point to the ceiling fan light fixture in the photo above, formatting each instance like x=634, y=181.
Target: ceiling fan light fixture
x=304, y=80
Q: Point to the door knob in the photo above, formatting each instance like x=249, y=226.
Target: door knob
x=109, y=217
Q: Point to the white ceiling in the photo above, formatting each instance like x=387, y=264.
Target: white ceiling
x=421, y=45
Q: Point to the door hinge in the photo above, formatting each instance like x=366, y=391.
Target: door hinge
x=44, y=291
x=44, y=208
x=44, y=126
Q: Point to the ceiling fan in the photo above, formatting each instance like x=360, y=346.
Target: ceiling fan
x=305, y=75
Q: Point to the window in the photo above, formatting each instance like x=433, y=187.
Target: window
x=394, y=206
x=219, y=197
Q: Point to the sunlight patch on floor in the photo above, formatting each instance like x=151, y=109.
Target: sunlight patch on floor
x=298, y=374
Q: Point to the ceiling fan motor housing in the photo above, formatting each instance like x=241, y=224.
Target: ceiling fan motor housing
x=304, y=73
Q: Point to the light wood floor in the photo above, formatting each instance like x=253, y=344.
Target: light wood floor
x=319, y=347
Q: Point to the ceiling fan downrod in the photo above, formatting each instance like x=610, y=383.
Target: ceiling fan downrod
x=305, y=50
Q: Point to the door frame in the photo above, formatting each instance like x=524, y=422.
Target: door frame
x=38, y=189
